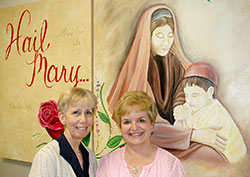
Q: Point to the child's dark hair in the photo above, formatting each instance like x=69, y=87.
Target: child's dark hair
x=198, y=81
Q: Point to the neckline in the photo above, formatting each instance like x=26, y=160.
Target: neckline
x=69, y=155
x=143, y=167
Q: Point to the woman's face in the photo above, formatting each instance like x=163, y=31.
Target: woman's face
x=162, y=40
x=78, y=119
x=136, y=127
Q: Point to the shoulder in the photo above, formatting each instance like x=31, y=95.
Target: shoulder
x=44, y=158
x=172, y=165
x=48, y=153
x=110, y=161
x=218, y=109
x=163, y=154
x=49, y=149
x=218, y=106
x=167, y=157
x=176, y=61
x=113, y=157
x=214, y=108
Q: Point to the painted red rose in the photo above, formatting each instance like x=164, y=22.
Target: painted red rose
x=49, y=119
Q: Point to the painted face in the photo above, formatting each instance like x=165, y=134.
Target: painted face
x=78, y=119
x=196, y=97
x=136, y=127
x=162, y=40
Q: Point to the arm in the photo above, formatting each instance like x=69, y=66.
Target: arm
x=171, y=137
x=43, y=165
x=168, y=136
x=210, y=136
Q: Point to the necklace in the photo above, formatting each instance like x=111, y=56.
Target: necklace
x=134, y=169
x=78, y=153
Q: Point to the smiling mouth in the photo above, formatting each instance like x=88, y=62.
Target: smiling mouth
x=136, y=134
x=81, y=128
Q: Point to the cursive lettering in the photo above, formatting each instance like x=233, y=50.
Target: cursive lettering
x=27, y=44
x=39, y=63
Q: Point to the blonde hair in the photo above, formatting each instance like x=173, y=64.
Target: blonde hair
x=73, y=95
x=136, y=99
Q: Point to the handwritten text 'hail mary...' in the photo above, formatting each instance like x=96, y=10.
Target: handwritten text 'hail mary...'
x=38, y=46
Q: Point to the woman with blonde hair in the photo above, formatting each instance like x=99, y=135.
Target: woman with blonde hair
x=135, y=114
x=66, y=155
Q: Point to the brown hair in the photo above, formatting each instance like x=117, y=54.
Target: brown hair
x=198, y=81
x=161, y=22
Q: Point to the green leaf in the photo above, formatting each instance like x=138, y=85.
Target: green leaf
x=118, y=147
x=103, y=117
x=41, y=144
x=86, y=140
x=114, y=141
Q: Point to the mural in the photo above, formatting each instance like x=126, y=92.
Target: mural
x=126, y=41
x=110, y=47
x=38, y=60
x=202, y=110
x=158, y=70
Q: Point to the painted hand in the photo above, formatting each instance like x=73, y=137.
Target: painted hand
x=210, y=136
x=182, y=112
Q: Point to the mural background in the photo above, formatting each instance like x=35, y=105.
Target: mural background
x=214, y=31
x=69, y=35
x=101, y=31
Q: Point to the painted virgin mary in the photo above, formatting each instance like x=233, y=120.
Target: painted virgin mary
x=155, y=64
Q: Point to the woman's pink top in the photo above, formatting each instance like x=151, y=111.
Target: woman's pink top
x=164, y=165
